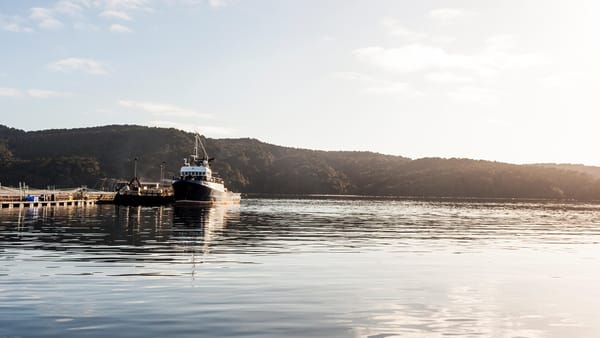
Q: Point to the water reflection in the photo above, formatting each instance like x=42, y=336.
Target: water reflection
x=284, y=226
x=208, y=219
x=114, y=233
x=304, y=267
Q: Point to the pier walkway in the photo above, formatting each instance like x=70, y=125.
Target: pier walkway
x=63, y=203
x=33, y=198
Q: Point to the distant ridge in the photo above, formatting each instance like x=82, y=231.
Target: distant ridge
x=585, y=169
x=98, y=156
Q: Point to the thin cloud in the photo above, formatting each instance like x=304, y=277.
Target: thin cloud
x=396, y=89
x=15, y=24
x=46, y=94
x=163, y=109
x=443, y=40
x=563, y=80
x=53, y=17
x=120, y=15
x=33, y=93
x=69, y=8
x=10, y=92
x=495, y=57
x=500, y=42
x=351, y=76
x=79, y=65
x=184, y=2
x=409, y=58
x=449, y=14
x=217, y=3
x=394, y=28
x=372, y=85
x=45, y=18
x=126, y=4
x=115, y=28
x=79, y=14
x=447, y=78
x=469, y=94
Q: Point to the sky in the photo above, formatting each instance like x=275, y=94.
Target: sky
x=511, y=81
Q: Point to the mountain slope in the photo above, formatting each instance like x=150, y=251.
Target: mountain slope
x=95, y=156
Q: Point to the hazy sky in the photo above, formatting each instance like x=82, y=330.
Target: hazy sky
x=513, y=81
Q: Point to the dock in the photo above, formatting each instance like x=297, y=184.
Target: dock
x=24, y=204
x=35, y=198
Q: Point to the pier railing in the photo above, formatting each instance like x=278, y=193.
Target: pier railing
x=16, y=198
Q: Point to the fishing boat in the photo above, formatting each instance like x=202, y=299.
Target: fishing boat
x=198, y=185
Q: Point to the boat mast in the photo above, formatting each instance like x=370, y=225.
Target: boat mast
x=195, y=155
x=198, y=141
x=202, y=145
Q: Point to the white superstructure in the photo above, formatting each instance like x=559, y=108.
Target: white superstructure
x=199, y=170
x=198, y=185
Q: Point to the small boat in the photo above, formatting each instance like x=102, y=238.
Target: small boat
x=138, y=193
x=198, y=185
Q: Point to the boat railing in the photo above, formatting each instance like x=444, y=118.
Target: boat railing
x=200, y=178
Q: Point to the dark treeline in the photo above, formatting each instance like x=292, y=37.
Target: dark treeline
x=97, y=156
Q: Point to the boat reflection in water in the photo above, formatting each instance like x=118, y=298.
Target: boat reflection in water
x=146, y=236
x=198, y=231
x=172, y=230
x=200, y=217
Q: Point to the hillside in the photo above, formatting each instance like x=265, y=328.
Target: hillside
x=585, y=169
x=97, y=156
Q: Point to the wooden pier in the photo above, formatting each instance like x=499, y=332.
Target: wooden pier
x=16, y=198
x=29, y=204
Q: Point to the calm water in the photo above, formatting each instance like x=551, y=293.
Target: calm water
x=282, y=267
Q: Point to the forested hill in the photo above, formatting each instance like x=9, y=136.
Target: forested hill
x=97, y=156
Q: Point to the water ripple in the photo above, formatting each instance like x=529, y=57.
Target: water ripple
x=303, y=267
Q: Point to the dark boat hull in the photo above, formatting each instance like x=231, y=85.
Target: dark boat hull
x=192, y=192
